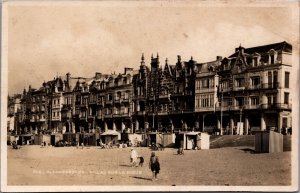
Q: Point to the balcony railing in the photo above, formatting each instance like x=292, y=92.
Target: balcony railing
x=100, y=116
x=117, y=100
x=238, y=88
x=100, y=103
x=257, y=106
x=273, y=85
x=164, y=96
x=108, y=116
x=109, y=102
x=277, y=106
x=202, y=90
x=162, y=113
x=254, y=87
x=141, y=113
x=125, y=100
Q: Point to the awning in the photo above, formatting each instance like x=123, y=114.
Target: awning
x=111, y=132
x=193, y=133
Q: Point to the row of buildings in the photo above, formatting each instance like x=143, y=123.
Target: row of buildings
x=245, y=91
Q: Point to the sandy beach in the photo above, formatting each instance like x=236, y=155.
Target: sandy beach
x=33, y=165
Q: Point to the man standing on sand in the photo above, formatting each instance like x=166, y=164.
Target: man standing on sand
x=154, y=165
x=133, y=157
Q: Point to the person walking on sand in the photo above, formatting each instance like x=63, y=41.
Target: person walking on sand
x=154, y=165
x=133, y=157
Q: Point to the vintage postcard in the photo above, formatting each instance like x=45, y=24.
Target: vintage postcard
x=149, y=96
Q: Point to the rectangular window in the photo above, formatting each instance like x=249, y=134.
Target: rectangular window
x=269, y=99
x=287, y=79
x=272, y=59
x=240, y=82
x=240, y=101
x=255, y=81
x=254, y=101
x=286, y=98
x=284, y=122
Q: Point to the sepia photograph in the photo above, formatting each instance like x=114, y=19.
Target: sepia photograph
x=149, y=96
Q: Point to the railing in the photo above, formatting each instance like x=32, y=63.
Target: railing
x=141, y=113
x=99, y=116
x=165, y=96
x=100, y=103
x=204, y=109
x=201, y=90
x=108, y=116
x=238, y=88
x=125, y=100
x=273, y=85
x=254, y=87
x=93, y=102
x=257, y=106
x=277, y=106
x=109, y=102
x=162, y=113
x=126, y=114
x=117, y=100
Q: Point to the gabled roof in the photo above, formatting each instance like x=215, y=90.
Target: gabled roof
x=281, y=46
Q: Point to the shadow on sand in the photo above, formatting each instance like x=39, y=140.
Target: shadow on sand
x=142, y=178
x=248, y=150
x=123, y=165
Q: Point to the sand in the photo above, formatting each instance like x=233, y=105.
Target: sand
x=33, y=165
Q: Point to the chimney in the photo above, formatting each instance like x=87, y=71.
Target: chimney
x=219, y=58
x=128, y=70
x=98, y=75
x=68, y=77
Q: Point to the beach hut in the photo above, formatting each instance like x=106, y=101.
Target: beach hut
x=39, y=139
x=192, y=140
x=110, y=136
x=25, y=139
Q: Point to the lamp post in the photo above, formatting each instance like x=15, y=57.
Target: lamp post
x=221, y=133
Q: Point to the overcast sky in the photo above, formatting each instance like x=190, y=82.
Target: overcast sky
x=45, y=40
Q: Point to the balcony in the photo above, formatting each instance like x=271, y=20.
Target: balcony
x=256, y=106
x=141, y=113
x=67, y=115
x=100, y=103
x=205, y=90
x=109, y=102
x=224, y=108
x=175, y=112
x=141, y=97
x=108, y=116
x=42, y=120
x=125, y=100
x=83, y=105
x=162, y=113
x=99, y=116
x=205, y=109
x=254, y=87
x=118, y=100
x=277, y=106
x=116, y=115
x=66, y=107
x=126, y=114
x=164, y=96
x=235, y=108
x=273, y=85
x=239, y=88
x=82, y=117
x=91, y=116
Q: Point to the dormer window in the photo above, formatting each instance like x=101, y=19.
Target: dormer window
x=255, y=61
x=272, y=55
x=272, y=58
